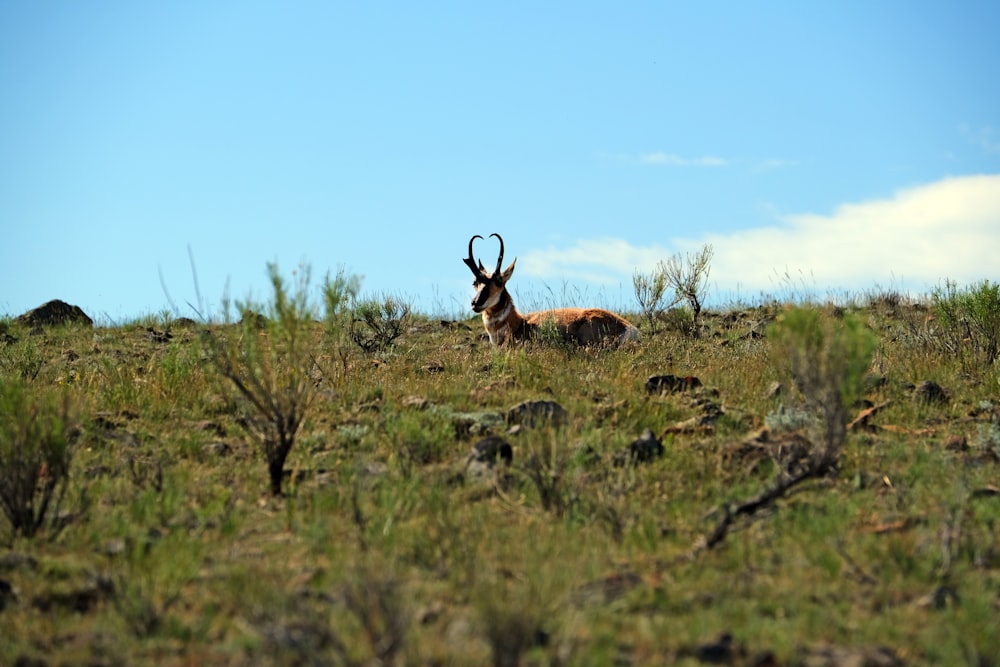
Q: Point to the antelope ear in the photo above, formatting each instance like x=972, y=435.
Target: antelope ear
x=509, y=271
x=482, y=269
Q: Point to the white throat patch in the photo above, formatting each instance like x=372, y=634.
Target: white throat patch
x=497, y=326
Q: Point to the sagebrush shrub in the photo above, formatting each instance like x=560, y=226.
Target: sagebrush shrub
x=686, y=276
x=36, y=447
x=377, y=323
x=827, y=357
x=650, y=290
x=271, y=368
x=968, y=322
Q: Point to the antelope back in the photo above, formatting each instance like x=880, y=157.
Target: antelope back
x=584, y=326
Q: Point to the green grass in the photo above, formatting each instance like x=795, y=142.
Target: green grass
x=172, y=549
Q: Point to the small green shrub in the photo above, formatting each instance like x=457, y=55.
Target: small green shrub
x=271, y=368
x=19, y=358
x=377, y=323
x=687, y=276
x=546, y=467
x=36, y=448
x=650, y=291
x=420, y=438
x=785, y=419
x=988, y=438
x=968, y=322
x=827, y=358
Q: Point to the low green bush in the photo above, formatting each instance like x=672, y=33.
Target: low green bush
x=37, y=432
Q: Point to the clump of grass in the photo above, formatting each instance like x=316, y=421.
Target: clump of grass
x=546, y=467
x=36, y=449
x=988, y=438
x=827, y=357
x=420, y=438
x=19, y=357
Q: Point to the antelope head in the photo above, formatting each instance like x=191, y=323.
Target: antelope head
x=490, y=287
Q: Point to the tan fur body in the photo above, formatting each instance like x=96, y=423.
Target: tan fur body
x=583, y=326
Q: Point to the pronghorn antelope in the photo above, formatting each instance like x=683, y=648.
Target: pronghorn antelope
x=503, y=323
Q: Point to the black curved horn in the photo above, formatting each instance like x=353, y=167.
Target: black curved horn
x=470, y=261
x=500, y=258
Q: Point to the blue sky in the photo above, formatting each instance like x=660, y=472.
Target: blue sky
x=829, y=147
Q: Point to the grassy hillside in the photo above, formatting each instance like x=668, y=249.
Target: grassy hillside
x=395, y=543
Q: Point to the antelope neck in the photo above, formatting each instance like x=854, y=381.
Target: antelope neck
x=502, y=319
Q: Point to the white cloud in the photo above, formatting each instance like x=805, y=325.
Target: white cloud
x=910, y=241
x=774, y=163
x=985, y=137
x=672, y=160
x=593, y=260
x=663, y=159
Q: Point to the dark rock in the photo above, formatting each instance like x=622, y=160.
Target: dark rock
x=698, y=424
x=647, y=448
x=14, y=560
x=210, y=426
x=184, y=323
x=54, y=313
x=217, y=448
x=941, y=597
x=30, y=661
x=475, y=423
x=708, y=407
x=873, y=381
x=928, y=392
x=717, y=652
x=537, y=413
x=490, y=449
x=105, y=420
x=607, y=589
x=756, y=333
x=671, y=384
x=158, y=336
x=792, y=451
x=7, y=594
x=956, y=443
x=80, y=600
x=481, y=465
